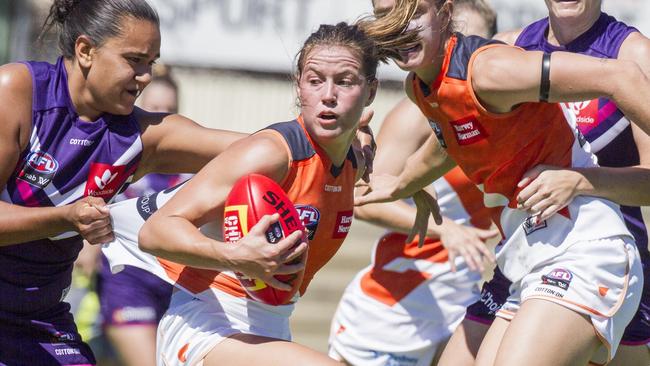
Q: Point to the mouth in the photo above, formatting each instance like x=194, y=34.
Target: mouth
x=328, y=116
x=405, y=52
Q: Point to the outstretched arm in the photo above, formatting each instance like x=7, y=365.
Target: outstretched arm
x=504, y=77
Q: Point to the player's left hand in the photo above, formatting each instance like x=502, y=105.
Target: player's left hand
x=365, y=142
x=547, y=190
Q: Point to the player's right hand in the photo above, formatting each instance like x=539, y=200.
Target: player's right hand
x=91, y=219
x=255, y=257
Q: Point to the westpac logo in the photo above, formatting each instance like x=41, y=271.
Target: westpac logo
x=104, y=180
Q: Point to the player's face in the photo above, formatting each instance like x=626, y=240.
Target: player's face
x=430, y=22
x=121, y=67
x=159, y=97
x=574, y=9
x=333, y=92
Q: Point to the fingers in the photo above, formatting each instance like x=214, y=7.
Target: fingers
x=452, y=260
x=366, y=117
x=371, y=197
x=434, y=208
x=264, y=223
x=274, y=282
x=296, y=253
x=530, y=175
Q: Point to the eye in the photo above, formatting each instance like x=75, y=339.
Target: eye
x=346, y=82
x=314, y=81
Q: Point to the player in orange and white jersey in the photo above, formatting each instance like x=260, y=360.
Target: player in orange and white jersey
x=408, y=290
x=419, y=293
x=576, y=275
x=212, y=320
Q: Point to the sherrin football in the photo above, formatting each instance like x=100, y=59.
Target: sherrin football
x=252, y=197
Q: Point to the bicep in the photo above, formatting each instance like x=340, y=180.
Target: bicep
x=504, y=77
x=191, y=144
x=15, y=117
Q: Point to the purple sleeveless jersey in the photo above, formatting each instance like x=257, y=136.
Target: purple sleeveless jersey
x=610, y=136
x=66, y=159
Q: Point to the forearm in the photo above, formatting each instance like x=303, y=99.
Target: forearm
x=20, y=224
x=178, y=240
x=624, y=186
x=429, y=163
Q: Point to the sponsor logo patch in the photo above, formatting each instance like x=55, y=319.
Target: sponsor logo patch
x=104, y=180
x=342, y=224
x=559, y=277
x=310, y=217
x=531, y=225
x=39, y=169
x=468, y=130
x=234, y=223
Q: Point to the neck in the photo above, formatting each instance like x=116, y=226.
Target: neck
x=563, y=31
x=337, y=151
x=79, y=95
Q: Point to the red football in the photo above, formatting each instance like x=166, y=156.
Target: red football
x=252, y=197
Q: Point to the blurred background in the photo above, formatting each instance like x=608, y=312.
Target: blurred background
x=233, y=60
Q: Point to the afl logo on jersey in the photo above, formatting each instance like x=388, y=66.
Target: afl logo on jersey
x=436, y=129
x=39, y=169
x=310, y=217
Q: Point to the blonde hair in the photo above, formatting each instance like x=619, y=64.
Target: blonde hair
x=483, y=8
x=390, y=32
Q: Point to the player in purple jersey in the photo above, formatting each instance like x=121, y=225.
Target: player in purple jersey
x=623, y=152
x=133, y=301
x=70, y=140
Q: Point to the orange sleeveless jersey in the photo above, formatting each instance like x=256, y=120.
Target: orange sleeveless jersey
x=323, y=195
x=494, y=150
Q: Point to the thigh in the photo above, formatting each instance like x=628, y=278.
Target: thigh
x=463, y=345
x=248, y=349
x=135, y=344
x=492, y=342
x=546, y=333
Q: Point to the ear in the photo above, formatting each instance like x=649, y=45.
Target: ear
x=374, y=85
x=84, y=50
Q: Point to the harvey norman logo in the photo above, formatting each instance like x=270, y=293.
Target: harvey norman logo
x=468, y=130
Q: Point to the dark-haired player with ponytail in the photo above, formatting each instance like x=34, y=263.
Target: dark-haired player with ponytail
x=71, y=139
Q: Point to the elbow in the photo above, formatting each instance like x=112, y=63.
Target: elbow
x=146, y=238
x=365, y=213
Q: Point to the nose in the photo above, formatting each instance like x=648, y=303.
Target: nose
x=144, y=75
x=329, y=94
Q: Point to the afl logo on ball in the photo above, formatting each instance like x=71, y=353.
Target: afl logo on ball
x=310, y=217
x=39, y=169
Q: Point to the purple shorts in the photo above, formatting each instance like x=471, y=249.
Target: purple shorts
x=52, y=343
x=495, y=292
x=131, y=297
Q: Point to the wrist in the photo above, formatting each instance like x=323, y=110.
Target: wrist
x=582, y=185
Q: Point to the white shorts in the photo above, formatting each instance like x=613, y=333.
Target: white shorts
x=191, y=327
x=365, y=331
x=355, y=355
x=599, y=278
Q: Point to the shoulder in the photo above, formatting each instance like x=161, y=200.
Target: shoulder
x=636, y=47
x=16, y=95
x=264, y=152
x=509, y=37
x=16, y=79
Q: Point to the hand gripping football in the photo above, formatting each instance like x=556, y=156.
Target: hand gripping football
x=252, y=197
